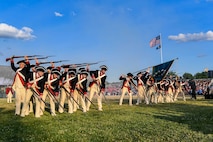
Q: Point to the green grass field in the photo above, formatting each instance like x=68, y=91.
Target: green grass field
x=179, y=121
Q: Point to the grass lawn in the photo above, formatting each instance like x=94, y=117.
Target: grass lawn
x=179, y=121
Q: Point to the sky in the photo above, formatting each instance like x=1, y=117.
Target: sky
x=116, y=32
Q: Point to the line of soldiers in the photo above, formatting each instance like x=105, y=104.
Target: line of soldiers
x=35, y=82
x=150, y=91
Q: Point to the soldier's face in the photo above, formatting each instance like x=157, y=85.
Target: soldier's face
x=40, y=73
x=66, y=69
x=55, y=75
x=84, y=75
x=103, y=71
x=21, y=65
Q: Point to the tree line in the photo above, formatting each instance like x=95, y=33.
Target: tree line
x=199, y=75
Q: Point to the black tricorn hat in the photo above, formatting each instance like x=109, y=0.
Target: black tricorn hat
x=72, y=72
x=103, y=67
x=32, y=66
x=40, y=68
x=72, y=69
x=56, y=71
x=83, y=71
x=49, y=68
x=21, y=61
x=130, y=74
x=139, y=73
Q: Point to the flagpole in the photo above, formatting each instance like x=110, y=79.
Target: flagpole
x=161, y=53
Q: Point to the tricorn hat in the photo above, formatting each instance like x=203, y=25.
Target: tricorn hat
x=72, y=71
x=21, y=61
x=40, y=68
x=139, y=73
x=83, y=71
x=130, y=74
x=56, y=71
x=103, y=67
x=32, y=66
x=50, y=68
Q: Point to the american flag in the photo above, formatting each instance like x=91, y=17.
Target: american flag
x=155, y=41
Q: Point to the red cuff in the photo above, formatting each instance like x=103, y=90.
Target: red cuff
x=56, y=93
x=40, y=94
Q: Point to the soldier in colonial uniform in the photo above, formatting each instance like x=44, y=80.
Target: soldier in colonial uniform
x=67, y=89
x=169, y=87
x=178, y=89
x=126, y=87
x=51, y=89
x=33, y=69
x=160, y=91
x=35, y=87
x=80, y=90
x=151, y=90
x=140, y=87
x=97, y=86
x=20, y=82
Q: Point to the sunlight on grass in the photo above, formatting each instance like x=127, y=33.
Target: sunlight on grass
x=180, y=121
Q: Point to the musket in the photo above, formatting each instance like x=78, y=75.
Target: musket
x=82, y=94
x=103, y=95
x=53, y=62
x=7, y=59
x=40, y=58
x=36, y=95
x=70, y=95
x=142, y=70
x=82, y=64
x=89, y=63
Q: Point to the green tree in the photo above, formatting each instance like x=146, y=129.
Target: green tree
x=201, y=75
x=172, y=73
x=188, y=76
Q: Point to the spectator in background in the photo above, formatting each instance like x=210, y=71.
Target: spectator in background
x=193, y=87
x=9, y=94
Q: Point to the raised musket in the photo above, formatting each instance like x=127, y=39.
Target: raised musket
x=7, y=59
x=40, y=58
x=82, y=64
x=53, y=62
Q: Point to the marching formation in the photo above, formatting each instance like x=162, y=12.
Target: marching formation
x=150, y=91
x=77, y=85
x=35, y=83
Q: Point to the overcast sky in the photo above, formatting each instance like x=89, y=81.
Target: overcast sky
x=117, y=32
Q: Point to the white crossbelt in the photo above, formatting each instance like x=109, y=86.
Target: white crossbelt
x=50, y=81
x=35, y=80
x=79, y=82
x=18, y=72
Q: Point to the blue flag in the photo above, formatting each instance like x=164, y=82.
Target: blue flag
x=160, y=71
